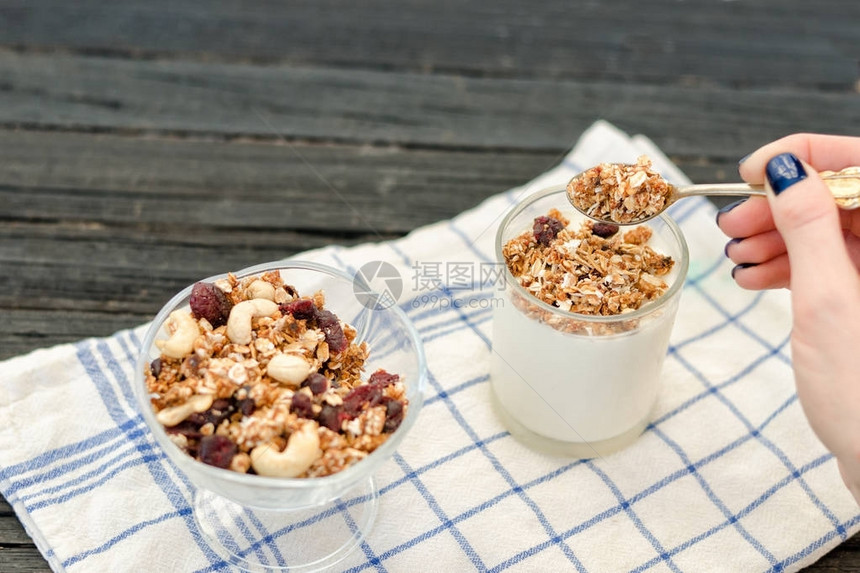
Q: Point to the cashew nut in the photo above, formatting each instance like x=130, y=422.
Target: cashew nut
x=195, y=404
x=281, y=295
x=303, y=448
x=261, y=289
x=289, y=368
x=239, y=321
x=185, y=330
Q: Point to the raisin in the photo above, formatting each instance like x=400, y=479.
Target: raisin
x=187, y=428
x=209, y=302
x=301, y=309
x=220, y=411
x=604, y=230
x=217, y=450
x=383, y=378
x=546, y=228
x=191, y=366
x=393, y=415
x=221, y=404
x=317, y=383
x=155, y=367
x=331, y=417
x=366, y=395
x=302, y=406
x=197, y=419
x=334, y=336
x=246, y=406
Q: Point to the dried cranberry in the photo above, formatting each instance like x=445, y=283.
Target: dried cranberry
x=331, y=417
x=546, y=228
x=302, y=406
x=393, y=415
x=383, y=378
x=155, y=367
x=358, y=397
x=301, y=309
x=317, y=383
x=604, y=230
x=330, y=325
x=217, y=451
x=209, y=302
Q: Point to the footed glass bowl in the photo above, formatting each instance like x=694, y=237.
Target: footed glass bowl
x=301, y=509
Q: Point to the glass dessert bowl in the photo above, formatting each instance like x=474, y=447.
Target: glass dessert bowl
x=316, y=516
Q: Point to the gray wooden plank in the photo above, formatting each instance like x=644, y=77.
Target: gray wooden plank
x=67, y=269
x=356, y=106
x=17, y=551
x=336, y=190
x=843, y=559
x=755, y=42
x=25, y=559
x=25, y=330
x=12, y=532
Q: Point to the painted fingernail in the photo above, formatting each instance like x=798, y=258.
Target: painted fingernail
x=725, y=209
x=729, y=244
x=783, y=171
x=744, y=158
x=742, y=266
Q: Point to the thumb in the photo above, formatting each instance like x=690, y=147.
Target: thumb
x=808, y=220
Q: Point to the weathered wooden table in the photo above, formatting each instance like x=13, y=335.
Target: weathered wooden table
x=146, y=144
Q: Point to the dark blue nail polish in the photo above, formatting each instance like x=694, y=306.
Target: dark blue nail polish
x=729, y=244
x=744, y=158
x=742, y=266
x=725, y=209
x=783, y=171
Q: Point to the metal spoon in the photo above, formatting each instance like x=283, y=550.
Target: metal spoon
x=844, y=184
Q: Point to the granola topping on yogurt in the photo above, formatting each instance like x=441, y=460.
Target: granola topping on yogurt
x=595, y=270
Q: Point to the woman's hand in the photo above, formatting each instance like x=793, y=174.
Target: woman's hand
x=798, y=238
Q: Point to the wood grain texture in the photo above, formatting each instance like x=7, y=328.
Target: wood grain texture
x=17, y=552
x=754, y=42
x=272, y=187
x=26, y=559
x=359, y=106
x=12, y=533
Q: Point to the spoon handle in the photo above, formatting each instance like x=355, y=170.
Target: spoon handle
x=844, y=184
x=721, y=190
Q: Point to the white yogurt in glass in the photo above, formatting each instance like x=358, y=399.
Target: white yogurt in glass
x=577, y=384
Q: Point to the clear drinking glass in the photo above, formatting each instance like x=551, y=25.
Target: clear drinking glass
x=297, y=524
x=575, y=384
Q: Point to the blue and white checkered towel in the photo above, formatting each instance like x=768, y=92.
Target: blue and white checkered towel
x=728, y=477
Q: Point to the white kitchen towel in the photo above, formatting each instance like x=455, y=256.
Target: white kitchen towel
x=728, y=477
